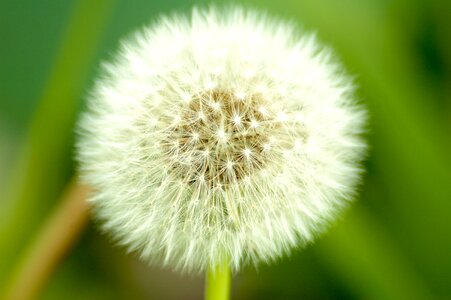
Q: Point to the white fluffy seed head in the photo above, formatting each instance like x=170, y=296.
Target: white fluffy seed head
x=225, y=135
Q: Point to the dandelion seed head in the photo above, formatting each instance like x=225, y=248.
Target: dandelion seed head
x=223, y=135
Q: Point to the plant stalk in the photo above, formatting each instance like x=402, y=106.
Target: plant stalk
x=218, y=281
x=51, y=244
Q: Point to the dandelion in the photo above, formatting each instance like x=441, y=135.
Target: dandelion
x=226, y=136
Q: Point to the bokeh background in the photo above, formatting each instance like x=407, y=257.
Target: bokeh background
x=394, y=243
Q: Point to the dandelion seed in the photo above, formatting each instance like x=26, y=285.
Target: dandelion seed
x=216, y=106
x=237, y=120
x=195, y=136
x=230, y=165
x=247, y=153
x=222, y=136
x=254, y=123
x=200, y=115
x=240, y=95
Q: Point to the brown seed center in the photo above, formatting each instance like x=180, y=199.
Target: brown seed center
x=220, y=139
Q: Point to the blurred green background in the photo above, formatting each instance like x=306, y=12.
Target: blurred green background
x=394, y=243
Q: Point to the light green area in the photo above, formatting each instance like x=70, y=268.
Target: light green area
x=217, y=284
x=42, y=162
x=369, y=262
x=394, y=244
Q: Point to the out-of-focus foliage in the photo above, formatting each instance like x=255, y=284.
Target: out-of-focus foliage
x=394, y=243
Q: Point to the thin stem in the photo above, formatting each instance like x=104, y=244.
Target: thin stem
x=53, y=241
x=217, y=286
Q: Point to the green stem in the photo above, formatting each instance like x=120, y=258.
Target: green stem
x=217, y=285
